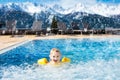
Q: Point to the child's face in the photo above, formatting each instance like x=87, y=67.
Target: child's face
x=55, y=57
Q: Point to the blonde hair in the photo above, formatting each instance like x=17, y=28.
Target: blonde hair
x=54, y=50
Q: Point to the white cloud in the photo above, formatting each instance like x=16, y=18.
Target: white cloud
x=71, y=3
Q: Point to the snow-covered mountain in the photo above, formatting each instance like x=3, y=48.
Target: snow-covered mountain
x=101, y=9
x=97, y=15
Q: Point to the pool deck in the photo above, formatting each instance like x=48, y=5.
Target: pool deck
x=7, y=40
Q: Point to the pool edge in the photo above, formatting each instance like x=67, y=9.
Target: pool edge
x=13, y=46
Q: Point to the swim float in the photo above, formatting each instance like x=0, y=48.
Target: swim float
x=44, y=61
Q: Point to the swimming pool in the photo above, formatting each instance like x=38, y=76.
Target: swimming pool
x=92, y=59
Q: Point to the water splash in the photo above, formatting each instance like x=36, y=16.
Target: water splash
x=93, y=70
x=92, y=59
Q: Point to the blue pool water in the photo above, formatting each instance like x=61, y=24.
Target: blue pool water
x=92, y=59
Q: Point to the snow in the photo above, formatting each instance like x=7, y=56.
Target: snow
x=50, y=18
x=100, y=8
x=32, y=9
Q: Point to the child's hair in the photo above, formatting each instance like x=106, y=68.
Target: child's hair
x=54, y=50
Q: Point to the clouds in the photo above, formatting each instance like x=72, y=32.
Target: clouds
x=71, y=3
x=64, y=3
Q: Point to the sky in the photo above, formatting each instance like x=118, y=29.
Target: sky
x=65, y=3
x=49, y=1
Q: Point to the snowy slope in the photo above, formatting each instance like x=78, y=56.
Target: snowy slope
x=101, y=9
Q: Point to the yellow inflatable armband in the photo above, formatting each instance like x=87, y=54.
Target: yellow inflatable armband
x=42, y=61
x=65, y=59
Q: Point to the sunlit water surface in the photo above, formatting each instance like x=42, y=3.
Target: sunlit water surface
x=92, y=59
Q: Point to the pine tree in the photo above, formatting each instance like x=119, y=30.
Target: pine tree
x=54, y=23
x=54, y=26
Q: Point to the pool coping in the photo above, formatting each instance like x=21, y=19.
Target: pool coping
x=13, y=46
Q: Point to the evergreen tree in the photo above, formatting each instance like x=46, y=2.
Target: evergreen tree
x=54, y=23
x=54, y=27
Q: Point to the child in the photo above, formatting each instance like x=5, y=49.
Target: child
x=55, y=57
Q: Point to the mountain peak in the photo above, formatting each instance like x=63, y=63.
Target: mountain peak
x=101, y=9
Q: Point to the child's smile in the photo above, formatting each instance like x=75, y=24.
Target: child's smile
x=55, y=57
x=55, y=60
